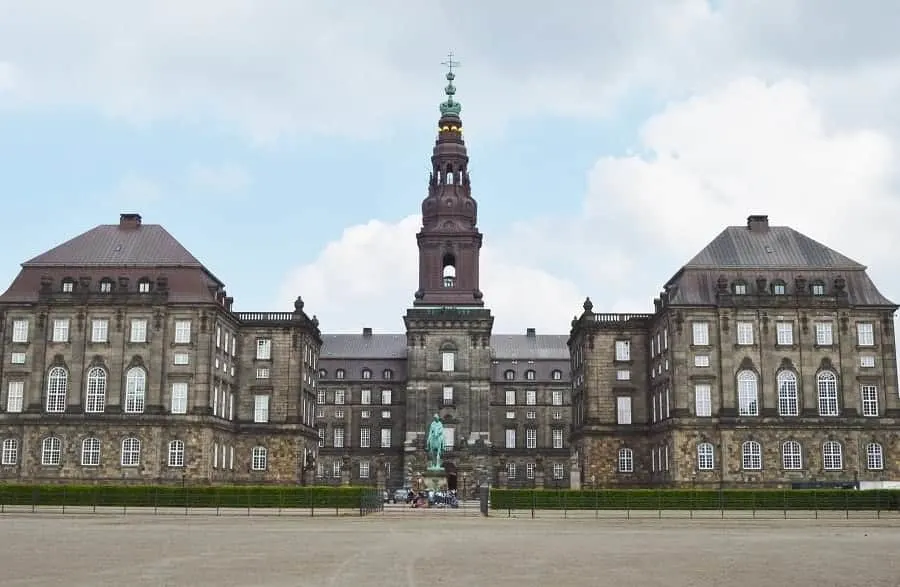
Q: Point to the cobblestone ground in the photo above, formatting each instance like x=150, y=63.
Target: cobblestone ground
x=78, y=550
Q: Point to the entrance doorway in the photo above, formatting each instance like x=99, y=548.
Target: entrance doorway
x=452, y=477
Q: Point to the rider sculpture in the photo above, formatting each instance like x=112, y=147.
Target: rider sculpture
x=434, y=444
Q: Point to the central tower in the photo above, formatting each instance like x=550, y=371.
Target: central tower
x=448, y=329
x=449, y=241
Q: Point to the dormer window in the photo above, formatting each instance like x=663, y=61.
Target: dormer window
x=509, y=374
x=68, y=285
x=387, y=374
x=144, y=286
x=106, y=285
x=366, y=374
x=323, y=373
x=740, y=288
x=339, y=374
x=556, y=375
x=778, y=288
x=529, y=375
x=817, y=288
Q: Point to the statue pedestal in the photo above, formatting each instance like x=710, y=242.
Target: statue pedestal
x=435, y=479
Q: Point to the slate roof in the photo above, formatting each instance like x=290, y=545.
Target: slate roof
x=111, y=245
x=393, y=346
x=779, y=247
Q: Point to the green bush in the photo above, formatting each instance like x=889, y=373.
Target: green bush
x=679, y=499
x=194, y=497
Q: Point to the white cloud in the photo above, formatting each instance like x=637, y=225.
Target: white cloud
x=225, y=179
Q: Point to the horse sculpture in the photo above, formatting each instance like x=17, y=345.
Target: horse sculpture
x=434, y=444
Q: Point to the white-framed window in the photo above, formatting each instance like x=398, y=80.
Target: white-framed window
x=99, y=330
x=623, y=350
x=784, y=333
x=135, y=390
x=10, y=453
x=448, y=361
x=176, y=453
x=262, y=373
x=623, y=375
x=179, y=397
x=338, y=397
x=260, y=408
x=510, y=415
x=556, y=375
x=869, y=396
x=510, y=397
x=556, y=398
x=700, y=332
x=364, y=469
x=865, y=334
x=818, y=289
x=826, y=384
x=131, y=452
x=530, y=438
x=258, y=458
x=57, y=389
x=17, y=358
x=263, y=349
x=748, y=393
x=510, y=438
x=366, y=373
x=61, y=330
x=385, y=414
x=824, y=334
x=95, y=394
x=703, y=400
x=448, y=395
x=339, y=414
x=788, y=400
x=105, y=286
x=143, y=286
x=558, y=470
x=386, y=398
x=321, y=431
x=365, y=437
x=791, y=456
x=138, y=330
x=867, y=361
x=182, y=331
x=181, y=358
x=558, y=437
x=626, y=460
x=530, y=397
x=701, y=360
x=15, y=396
x=336, y=469
x=338, y=437
x=90, y=452
x=832, y=456
x=529, y=470
x=20, y=331
x=511, y=470
x=751, y=455
x=365, y=396
x=530, y=375
x=874, y=457
x=51, y=451
x=320, y=396
x=509, y=374
x=385, y=438
x=744, y=333
x=623, y=409
x=706, y=456
x=339, y=374
x=740, y=289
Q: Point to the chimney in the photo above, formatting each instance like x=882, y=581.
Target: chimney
x=758, y=223
x=367, y=331
x=129, y=220
x=530, y=332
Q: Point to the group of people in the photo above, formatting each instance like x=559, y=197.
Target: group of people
x=431, y=498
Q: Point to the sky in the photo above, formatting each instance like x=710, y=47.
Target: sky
x=286, y=143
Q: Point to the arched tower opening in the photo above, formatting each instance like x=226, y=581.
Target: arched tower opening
x=449, y=271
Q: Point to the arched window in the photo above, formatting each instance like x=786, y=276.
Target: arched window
x=626, y=460
x=826, y=383
x=706, y=456
x=258, y=458
x=176, y=453
x=339, y=374
x=788, y=402
x=323, y=373
x=832, y=457
x=95, y=395
x=874, y=457
x=748, y=393
x=135, y=390
x=530, y=375
x=556, y=375
x=449, y=270
x=51, y=451
x=509, y=374
x=751, y=456
x=791, y=455
x=90, y=452
x=57, y=388
x=131, y=452
x=10, y=454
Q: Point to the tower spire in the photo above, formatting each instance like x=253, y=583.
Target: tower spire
x=450, y=106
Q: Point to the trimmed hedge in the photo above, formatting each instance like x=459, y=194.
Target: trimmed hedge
x=191, y=496
x=679, y=499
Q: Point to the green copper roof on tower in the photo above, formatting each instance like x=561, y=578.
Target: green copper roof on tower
x=450, y=106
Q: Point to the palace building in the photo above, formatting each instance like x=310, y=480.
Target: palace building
x=768, y=359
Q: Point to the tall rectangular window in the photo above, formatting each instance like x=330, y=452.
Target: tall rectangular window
x=703, y=400
x=182, y=331
x=365, y=434
x=623, y=409
x=20, y=331
x=623, y=350
x=365, y=397
x=15, y=396
x=99, y=330
x=865, y=334
x=179, y=397
x=557, y=398
x=700, y=331
x=448, y=361
x=784, y=333
x=385, y=438
x=260, y=408
x=339, y=437
x=530, y=397
x=61, y=330
x=558, y=437
x=510, y=397
x=263, y=349
x=448, y=395
x=824, y=336
x=138, y=330
x=510, y=438
x=386, y=397
x=745, y=333
x=530, y=438
x=869, y=395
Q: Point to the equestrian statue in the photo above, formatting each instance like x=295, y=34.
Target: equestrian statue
x=434, y=444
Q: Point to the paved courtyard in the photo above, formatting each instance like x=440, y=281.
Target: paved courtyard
x=78, y=550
